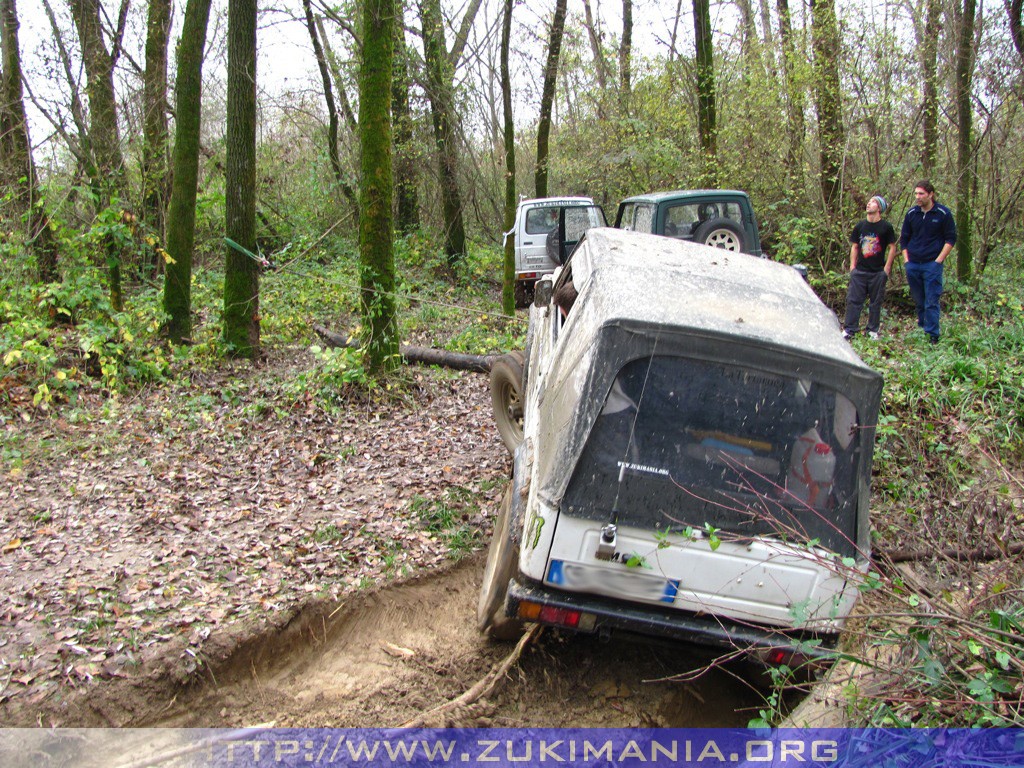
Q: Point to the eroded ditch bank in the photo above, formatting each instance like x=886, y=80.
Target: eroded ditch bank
x=387, y=656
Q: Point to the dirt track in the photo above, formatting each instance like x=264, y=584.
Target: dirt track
x=386, y=657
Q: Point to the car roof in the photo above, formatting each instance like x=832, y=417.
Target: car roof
x=659, y=282
x=658, y=197
x=557, y=201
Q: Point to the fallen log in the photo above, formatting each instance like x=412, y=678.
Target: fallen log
x=424, y=355
x=982, y=554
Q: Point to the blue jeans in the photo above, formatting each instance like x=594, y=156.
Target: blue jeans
x=925, y=282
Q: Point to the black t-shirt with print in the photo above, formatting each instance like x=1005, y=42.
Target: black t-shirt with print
x=872, y=239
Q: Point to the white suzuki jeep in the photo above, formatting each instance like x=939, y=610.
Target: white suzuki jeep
x=546, y=230
x=693, y=458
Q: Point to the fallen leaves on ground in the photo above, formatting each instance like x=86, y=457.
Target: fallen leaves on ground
x=136, y=536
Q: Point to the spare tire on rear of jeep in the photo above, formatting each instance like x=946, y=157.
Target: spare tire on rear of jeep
x=721, y=233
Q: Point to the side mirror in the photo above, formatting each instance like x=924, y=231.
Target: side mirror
x=542, y=292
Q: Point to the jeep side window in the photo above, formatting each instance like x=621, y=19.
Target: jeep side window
x=680, y=221
x=540, y=221
x=628, y=212
x=644, y=218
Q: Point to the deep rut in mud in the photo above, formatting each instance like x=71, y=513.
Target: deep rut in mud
x=387, y=657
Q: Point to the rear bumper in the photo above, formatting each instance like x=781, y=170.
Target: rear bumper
x=613, y=615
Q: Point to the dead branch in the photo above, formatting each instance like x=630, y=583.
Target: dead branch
x=424, y=355
x=483, y=687
x=979, y=554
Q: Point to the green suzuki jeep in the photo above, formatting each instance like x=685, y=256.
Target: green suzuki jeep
x=722, y=218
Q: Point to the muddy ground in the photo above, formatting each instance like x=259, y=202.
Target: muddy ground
x=229, y=553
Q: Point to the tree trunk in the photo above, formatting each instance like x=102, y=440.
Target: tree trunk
x=964, y=155
x=1013, y=9
x=626, y=58
x=18, y=168
x=930, y=106
x=508, y=285
x=547, y=98
x=155, y=132
x=831, y=139
x=376, y=225
x=345, y=108
x=332, y=109
x=241, y=276
x=442, y=108
x=594, y=35
x=408, y=203
x=794, y=102
x=181, y=215
x=707, y=128
x=104, y=136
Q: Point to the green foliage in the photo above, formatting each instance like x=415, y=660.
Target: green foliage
x=948, y=441
x=449, y=518
x=335, y=377
x=63, y=338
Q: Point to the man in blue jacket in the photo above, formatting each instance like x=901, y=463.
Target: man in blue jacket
x=927, y=237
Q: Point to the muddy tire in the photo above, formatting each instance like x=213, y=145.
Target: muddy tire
x=500, y=568
x=523, y=293
x=721, y=233
x=507, y=398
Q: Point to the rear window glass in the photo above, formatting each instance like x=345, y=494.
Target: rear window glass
x=682, y=220
x=540, y=221
x=683, y=442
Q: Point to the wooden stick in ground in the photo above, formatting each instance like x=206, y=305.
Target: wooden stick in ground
x=483, y=687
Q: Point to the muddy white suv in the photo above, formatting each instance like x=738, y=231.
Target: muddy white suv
x=545, y=231
x=693, y=457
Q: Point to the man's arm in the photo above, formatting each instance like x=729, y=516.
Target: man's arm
x=948, y=234
x=890, y=257
x=905, y=234
x=853, y=256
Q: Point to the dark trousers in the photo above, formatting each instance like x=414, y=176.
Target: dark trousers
x=864, y=285
x=925, y=282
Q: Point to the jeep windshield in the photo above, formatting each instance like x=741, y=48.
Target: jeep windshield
x=683, y=442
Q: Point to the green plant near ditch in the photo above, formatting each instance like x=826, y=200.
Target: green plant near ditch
x=448, y=517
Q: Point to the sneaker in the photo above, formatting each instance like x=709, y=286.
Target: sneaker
x=873, y=335
x=847, y=335
x=933, y=339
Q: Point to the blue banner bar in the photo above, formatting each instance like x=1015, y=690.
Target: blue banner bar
x=509, y=748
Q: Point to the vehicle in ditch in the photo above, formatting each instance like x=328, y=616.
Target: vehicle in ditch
x=545, y=231
x=692, y=443
x=723, y=218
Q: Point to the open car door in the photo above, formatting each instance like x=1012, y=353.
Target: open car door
x=573, y=223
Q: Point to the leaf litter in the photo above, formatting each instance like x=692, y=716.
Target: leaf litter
x=161, y=533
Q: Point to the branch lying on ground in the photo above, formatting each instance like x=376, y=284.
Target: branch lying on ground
x=484, y=686
x=425, y=355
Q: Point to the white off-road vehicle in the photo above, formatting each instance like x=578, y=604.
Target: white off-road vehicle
x=692, y=447
x=546, y=230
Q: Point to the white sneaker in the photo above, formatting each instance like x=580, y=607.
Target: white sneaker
x=847, y=335
x=873, y=335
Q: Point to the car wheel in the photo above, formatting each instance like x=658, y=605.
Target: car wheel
x=507, y=396
x=721, y=233
x=523, y=293
x=500, y=568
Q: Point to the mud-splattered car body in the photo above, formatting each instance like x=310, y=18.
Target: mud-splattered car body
x=696, y=453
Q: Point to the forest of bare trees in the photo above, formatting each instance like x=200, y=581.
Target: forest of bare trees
x=109, y=105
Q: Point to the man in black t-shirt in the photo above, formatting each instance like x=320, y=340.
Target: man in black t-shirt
x=872, y=252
